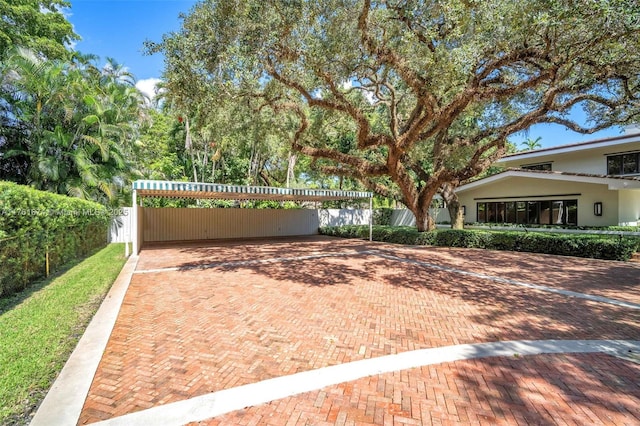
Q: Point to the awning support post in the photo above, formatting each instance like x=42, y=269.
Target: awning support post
x=371, y=218
x=134, y=223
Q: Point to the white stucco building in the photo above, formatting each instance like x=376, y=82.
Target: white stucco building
x=594, y=183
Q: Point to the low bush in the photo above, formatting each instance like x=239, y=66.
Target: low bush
x=39, y=228
x=610, y=247
x=615, y=228
x=382, y=216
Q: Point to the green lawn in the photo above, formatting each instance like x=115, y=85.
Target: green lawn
x=40, y=327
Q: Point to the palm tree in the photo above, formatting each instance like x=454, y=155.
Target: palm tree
x=531, y=144
x=79, y=125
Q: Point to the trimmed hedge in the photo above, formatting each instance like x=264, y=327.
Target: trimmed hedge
x=35, y=223
x=585, y=245
x=382, y=216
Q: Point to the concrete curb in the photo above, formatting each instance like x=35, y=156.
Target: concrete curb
x=64, y=401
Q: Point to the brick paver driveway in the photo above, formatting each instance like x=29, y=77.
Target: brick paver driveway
x=202, y=318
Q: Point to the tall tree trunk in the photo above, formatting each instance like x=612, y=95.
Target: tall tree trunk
x=214, y=162
x=188, y=144
x=265, y=177
x=419, y=202
x=205, y=161
x=290, y=168
x=453, y=205
x=455, y=212
x=424, y=220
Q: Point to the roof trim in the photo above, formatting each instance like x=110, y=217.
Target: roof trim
x=572, y=147
x=613, y=182
x=169, y=189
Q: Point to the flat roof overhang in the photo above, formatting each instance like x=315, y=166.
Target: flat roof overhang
x=172, y=189
x=629, y=138
x=613, y=182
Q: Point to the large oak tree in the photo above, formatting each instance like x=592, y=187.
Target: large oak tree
x=431, y=89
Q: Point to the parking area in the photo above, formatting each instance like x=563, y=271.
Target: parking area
x=202, y=319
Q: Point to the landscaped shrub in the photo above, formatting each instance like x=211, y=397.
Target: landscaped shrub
x=426, y=238
x=382, y=216
x=347, y=231
x=462, y=238
x=403, y=235
x=36, y=226
x=609, y=247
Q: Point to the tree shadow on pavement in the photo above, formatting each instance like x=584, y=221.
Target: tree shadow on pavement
x=515, y=312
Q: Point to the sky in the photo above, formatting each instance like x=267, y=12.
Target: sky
x=118, y=29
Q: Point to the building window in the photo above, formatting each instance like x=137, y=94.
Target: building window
x=545, y=212
x=521, y=212
x=623, y=164
x=482, y=212
x=552, y=212
x=511, y=212
x=542, y=166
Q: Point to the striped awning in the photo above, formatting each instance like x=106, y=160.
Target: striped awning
x=157, y=188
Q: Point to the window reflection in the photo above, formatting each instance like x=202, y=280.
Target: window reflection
x=623, y=164
x=547, y=212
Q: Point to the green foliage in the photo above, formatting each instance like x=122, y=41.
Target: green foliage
x=40, y=326
x=38, y=25
x=160, y=149
x=37, y=223
x=461, y=238
x=531, y=144
x=347, y=231
x=624, y=228
x=585, y=245
x=406, y=97
x=382, y=216
x=68, y=127
x=611, y=228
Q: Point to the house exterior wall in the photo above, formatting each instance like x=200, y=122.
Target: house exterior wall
x=629, y=207
x=530, y=189
x=590, y=161
x=580, y=162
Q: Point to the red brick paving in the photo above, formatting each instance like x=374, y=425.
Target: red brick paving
x=189, y=332
x=617, y=280
x=575, y=389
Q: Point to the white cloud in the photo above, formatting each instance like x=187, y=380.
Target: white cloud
x=67, y=13
x=370, y=96
x=148, y=87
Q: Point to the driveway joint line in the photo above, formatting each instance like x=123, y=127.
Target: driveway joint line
x=563, y=292
x=213, y=265
x=225, y=401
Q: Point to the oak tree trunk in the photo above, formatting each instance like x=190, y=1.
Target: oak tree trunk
x=455, y=212
x=424, y=221
x=453, y=205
